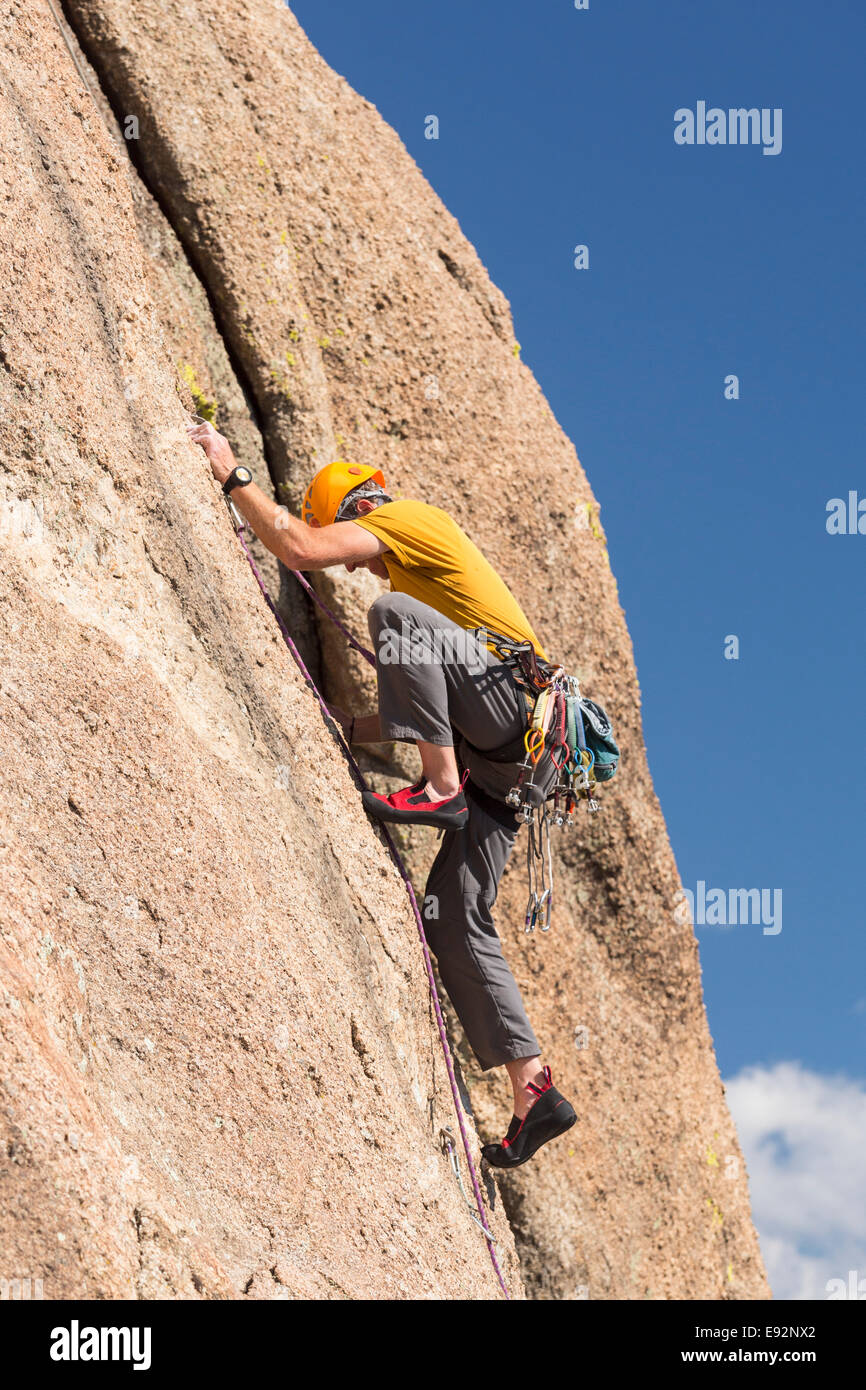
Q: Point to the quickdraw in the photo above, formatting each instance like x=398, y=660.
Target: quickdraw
x=539, y=865
x=533, y=741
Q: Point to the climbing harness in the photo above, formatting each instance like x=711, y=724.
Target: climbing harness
x=557, y=719
x=239, y=525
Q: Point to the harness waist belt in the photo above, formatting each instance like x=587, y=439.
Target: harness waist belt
x=512, y=752
x=496, y=809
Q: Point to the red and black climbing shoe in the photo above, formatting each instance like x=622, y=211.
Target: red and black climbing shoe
x=412, y=806
x=549, y=1115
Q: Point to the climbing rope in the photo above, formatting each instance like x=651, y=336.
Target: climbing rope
x=238, y=524
x=350, y=638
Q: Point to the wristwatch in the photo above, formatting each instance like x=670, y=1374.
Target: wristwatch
x=239, y=477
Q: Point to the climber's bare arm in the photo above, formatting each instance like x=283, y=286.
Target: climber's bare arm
x=300, y=547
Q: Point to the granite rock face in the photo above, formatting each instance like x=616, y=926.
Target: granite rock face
x=222, y=1076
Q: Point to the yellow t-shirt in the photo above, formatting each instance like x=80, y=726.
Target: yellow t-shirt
x=431, y=558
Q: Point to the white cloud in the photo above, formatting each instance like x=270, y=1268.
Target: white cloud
x=804, y=1138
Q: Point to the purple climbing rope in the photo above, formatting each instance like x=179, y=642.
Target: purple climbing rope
x=395, y=855
x=338, y=622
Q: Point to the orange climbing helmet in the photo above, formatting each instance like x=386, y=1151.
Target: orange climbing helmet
x=330, y=486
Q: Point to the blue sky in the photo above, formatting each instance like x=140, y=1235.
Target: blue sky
x=556, y=128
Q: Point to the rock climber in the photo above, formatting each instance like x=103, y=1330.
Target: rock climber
x=442, y=688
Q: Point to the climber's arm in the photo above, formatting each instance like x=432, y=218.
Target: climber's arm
x=315, y=548
x=300, y=547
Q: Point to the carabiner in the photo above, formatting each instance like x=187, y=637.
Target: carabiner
x=559, y=763
x=235, y=517
x=548, y=907
x=533, y=741
x=532, y=909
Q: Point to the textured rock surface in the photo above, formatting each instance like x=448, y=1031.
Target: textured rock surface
x=225, y=1076
x=220, y=1075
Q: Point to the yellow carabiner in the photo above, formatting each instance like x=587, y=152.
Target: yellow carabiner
x=533, y=741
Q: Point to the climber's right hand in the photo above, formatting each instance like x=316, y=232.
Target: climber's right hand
x=216, y=446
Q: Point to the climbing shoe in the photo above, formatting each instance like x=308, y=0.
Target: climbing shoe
x=412, y=806
x=549, y=1115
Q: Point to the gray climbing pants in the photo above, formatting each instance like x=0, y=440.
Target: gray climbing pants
x=440, y=684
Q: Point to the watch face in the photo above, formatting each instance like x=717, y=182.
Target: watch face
x=243, y=475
